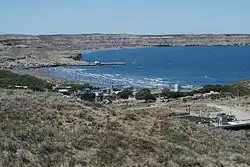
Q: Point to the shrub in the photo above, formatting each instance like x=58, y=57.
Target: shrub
x=125, y=93
x=176, y=95
x=208, y=88
x=145, y=94
x=9, y=79
x=88, y=96
x=234, y=89
x=165, y=92
x=76, y=87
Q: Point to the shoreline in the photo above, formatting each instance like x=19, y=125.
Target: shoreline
x=46, y=76
x=70, y=61
x=154, y=46
x=60, y=79
x=116, y=48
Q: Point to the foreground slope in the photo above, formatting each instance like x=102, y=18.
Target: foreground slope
x=43, y=129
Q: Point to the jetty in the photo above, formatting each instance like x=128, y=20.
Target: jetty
x=81, y=64
x=105, y=63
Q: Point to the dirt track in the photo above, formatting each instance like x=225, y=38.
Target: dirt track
x=239, y=112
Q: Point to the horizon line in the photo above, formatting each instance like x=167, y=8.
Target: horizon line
x=174, y=34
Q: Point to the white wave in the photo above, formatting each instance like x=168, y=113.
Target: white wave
x=107, y=79
x=209, y=78
x=109, y=75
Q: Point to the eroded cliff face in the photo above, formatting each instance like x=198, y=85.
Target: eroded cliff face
x=90, y=41
x=22, y=49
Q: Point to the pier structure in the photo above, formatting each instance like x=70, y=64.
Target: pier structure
x=83, y=64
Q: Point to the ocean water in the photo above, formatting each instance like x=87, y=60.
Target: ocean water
x=151, y=67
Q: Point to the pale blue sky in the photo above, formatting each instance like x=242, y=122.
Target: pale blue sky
x=124, y=16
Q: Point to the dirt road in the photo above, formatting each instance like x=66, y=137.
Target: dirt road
x=239, y=112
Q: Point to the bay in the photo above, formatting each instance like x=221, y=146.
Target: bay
x=163, y=66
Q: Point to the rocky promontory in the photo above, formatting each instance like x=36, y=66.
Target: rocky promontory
x=29, y=50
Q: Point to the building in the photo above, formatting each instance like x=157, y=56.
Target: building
x=97, y=63
x=63, y=91
x=210, y=94
x=177, y=88
x=156, y=93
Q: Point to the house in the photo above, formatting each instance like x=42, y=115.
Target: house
x=61, y=88
x=177, y=88
x=98, y=96
x=63, y=91
x=21, y=87
x=115, y=94
x=156, y=93
x=210, y=94
x=97, y=63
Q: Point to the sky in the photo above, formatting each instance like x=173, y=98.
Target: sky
x=124, y=16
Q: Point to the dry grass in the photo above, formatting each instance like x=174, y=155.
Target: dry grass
x=38, y=129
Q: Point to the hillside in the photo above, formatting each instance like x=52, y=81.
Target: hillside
x=12, y=80
x=44, y=129
x=22, y=50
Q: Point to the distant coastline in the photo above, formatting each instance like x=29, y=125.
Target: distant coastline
x=83, y=52
x=18, y=51
x=113, y=48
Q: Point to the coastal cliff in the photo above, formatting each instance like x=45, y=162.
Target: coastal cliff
x=23, y=50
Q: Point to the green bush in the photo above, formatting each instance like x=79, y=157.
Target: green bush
x=88, y=96
x=145, y=94
x=168, y=94
x=81, y=87
x=215, y=88
x=165, y=92
x=125, y=93
x=234, y=89
x=9, y=79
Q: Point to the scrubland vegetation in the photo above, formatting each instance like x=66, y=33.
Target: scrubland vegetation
x=40, y=129
x=10, y=80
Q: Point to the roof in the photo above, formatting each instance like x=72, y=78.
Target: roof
x=117, y=92
x=239, y=122
x=63, y=90
x=156, y=92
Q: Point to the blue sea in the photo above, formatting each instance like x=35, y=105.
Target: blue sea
x=164, y=66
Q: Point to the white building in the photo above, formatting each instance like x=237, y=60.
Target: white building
x=97, y=63
x=177, y=88
x=211, y=93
